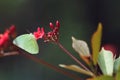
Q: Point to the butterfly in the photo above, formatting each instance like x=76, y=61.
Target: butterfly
x=27, y=42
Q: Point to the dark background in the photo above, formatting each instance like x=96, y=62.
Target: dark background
x=78, y=18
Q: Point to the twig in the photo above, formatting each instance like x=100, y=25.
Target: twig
x=9, y=53
x=51, y=66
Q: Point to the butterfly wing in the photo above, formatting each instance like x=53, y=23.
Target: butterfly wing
x=27, y=42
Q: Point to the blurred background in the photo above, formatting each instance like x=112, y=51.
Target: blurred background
x=78, y=18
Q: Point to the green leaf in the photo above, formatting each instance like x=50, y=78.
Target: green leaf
x=76, y=69
x=103, y=77
x=117, y=77
x=96, y=42
x=106, y=62
x=27, y=42
x=81, y=47
x=117, y=64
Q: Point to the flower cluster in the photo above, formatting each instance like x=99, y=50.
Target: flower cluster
x=5, y=37
x=51, y=36
x=6, y=46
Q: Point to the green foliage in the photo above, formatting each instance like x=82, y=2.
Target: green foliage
x=117, y=77
x=106, y=62
x=116, y=64
x=103, y=77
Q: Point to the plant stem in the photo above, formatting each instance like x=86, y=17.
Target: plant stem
x=40, y=61
x=8, y=53
x=74, y=58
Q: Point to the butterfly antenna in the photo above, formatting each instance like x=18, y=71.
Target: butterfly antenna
x=28, y=31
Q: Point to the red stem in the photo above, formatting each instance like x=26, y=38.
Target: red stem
x=9, y=53
x=51, y=66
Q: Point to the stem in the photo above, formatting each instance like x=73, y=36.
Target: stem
x=9, y=53
x=74, y=58
x=51, y=66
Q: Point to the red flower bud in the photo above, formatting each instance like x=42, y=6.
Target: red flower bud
x=4, y=38
x=57, y=24
x=12, y=29
x=51, y=25
x=111, y=47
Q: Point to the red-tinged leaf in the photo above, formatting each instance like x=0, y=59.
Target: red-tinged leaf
x=82, y=49
x=96, y=42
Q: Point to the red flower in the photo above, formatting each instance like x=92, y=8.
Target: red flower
x=49, y=36
x=39, y=33
x=52, y=35
x=4, y=38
